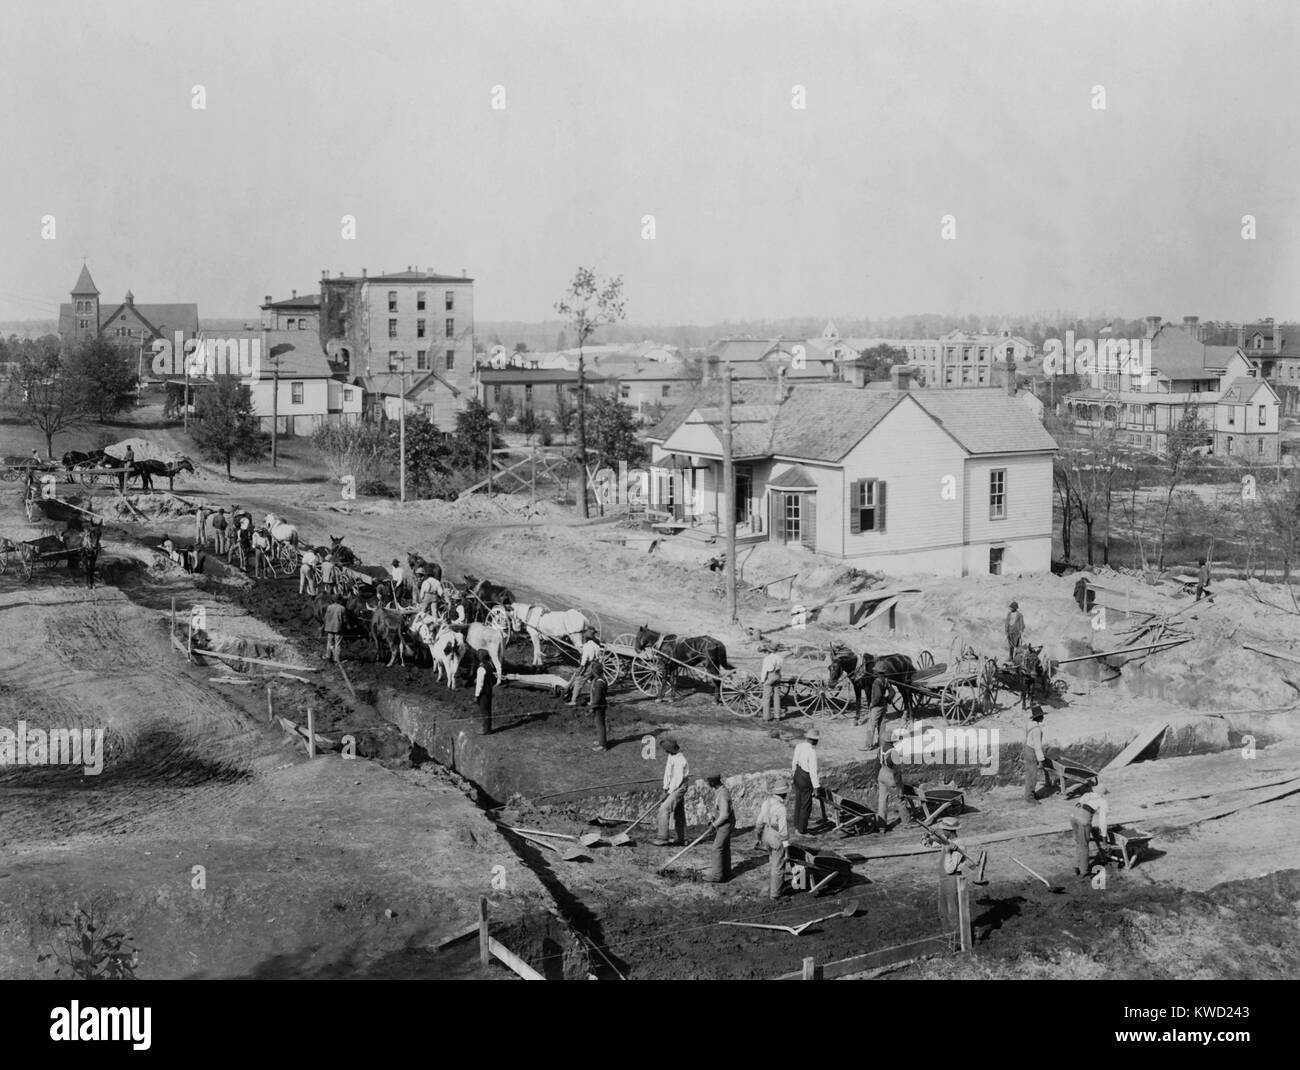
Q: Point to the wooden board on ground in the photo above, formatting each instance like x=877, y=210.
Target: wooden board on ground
x=541, y=681
x=1140, y=743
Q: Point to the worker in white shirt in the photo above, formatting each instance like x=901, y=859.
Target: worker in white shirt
x=806, y=782
x=431, y=591
x=950, y=868
x=1032, y=754
x=398, y=575
x=889, y=779
x=771, y=677
x=307, y=571
x=588, y=664
x=773, y=837
x=1088, y=819
x=674, y=805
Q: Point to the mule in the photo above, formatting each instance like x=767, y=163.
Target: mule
x=1030, y=676
x=74, y=459
x=865, y=669
x=416, y=563
x=146, y=470
x=702, y=652
x=389, y=628
x=342, y=555
x=539, y=622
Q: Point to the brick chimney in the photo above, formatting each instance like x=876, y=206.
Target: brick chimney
x=1241, y=336
x=363, y=273
x=1192, y=324
x=1009, y=375
x=1153, y=325
x=900, y=377
x=780, y=385
x=267, y=300
x=294, y=293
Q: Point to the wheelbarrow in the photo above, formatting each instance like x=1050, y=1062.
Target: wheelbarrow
x=818, y=870
x=1071, y=775
x=851, y=816
x=927, y=804
x=1125, y=845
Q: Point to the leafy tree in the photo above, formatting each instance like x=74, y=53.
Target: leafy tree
x=105, y=375
x=589, y=305
x=1178, y=459
x=226, y=427
x=545, y=430
x=507, y=406
x=565, y=413
x=427, y=455
x=45, y=395
x=879, y=359
x=469, y=442
x=611, y=432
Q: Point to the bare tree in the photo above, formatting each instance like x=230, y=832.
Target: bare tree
x=49, y=396
x=588, y=305
x=1180, y=442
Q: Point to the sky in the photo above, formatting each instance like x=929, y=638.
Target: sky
x=615, y=110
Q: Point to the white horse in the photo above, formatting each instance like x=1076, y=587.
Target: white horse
x=482, y=637
x=281, y=530
x=541, y=622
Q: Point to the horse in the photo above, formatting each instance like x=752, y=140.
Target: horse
x=483, y=637
x=865, y=668
x=539, y=622
x=342, y=555
x=416, y=563
x=84, y=547
x=482, y=595
x=699, y=651
x=1030, y=676
x=147, y=469
x=281, y=531
x=74, y=459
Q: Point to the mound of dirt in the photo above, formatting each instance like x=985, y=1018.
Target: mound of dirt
x=162, y=506
x=497, y=509
x=144, y=450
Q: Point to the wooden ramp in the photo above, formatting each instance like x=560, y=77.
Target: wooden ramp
x=1140, y=743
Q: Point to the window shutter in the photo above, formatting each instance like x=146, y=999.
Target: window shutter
x=855, y=496
x=776, y=504
x=1006, y=494
x=808, y=514
x=880, y=506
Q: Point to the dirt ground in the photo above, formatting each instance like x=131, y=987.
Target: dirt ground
x=308, y=858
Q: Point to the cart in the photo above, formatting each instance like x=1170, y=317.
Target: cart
x=742, y=693
x=813, y=696
x=816, y=869
x=1072, y=775
x=929, y=804
x=14, y=468
x=49, y=551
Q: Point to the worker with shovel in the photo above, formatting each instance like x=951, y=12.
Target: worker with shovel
x=1088, y=821
x=1032, y=755
x=674, y=805
x=724, y=820
x=950, y=870
x=773, y=837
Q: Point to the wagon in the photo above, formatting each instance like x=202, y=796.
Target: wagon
x=812, y=695
x=742, y=693
x=960, y=695
x=49, y=551
x=16, y=467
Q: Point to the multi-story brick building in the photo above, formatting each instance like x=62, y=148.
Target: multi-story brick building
x=128, y=324
x=292, y=313
x=374, y=324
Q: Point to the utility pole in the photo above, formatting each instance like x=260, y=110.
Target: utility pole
x=401, y=434
x=729, y=483
x=582, y=430
x=185, y=402
x=275, y=401
x=489, y=459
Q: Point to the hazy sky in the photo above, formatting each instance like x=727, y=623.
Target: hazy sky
x=680, y=110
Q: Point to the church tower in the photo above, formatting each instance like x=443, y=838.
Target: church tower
x=85, y=307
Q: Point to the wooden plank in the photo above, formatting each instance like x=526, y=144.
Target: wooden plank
x=1125, y=650
x=484, y=940
x=809, y=971
x=882, y=608
x=200, y=652
x=513, y=961
x=1140, y=743
x=928, y=945
x=460, y=934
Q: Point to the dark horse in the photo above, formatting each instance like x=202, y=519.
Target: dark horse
x=146, y=470
x=865, y=669
x=83, y=549
x=1029, y=676
x=482, y=595
x=341, y=554
x=74, y=459
x=699, y=652
x=416, y=562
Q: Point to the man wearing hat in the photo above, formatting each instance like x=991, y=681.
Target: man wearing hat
x=889, y=778
x=485, y=680
x=431, y=589
x=599, y=689
x=803, y=768
x=1032, y=753
x=950, y=869
x=1015, y=629
x=724, y=819
x=1088, y=820
x=327, y=574
x=308, y=564
x=588, y=663
x=674, y=805
x=773, y=837
x=219, y=532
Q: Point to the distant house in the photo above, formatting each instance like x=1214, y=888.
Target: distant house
x=1237, y=407
x=427, y=394
x=538, y=389
x=308, y=394
x=292, y=313
x=897, y=479
x=777, y=358
x=128, y=324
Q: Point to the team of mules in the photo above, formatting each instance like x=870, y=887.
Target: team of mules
x=143, y=470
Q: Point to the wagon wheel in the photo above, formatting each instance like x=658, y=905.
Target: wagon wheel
x=959, y=700
x=814, y=696
x=611, y=667
x=625, y=639
x=742, y=693
x=925, y=659
x=8, y=474
x=989, y=687
x=646, y=674
x=498, y=618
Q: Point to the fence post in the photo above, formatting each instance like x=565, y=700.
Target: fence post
x=484, y=950
x=809, y=969
x=311, y=733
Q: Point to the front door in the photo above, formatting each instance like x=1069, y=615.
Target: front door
x=744, y=494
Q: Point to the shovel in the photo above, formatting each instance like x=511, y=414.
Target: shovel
x=795, y=930
x=623, y=837
x=569, y=854
x=590, y=839
x=679, y=854
x=1046, y=883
